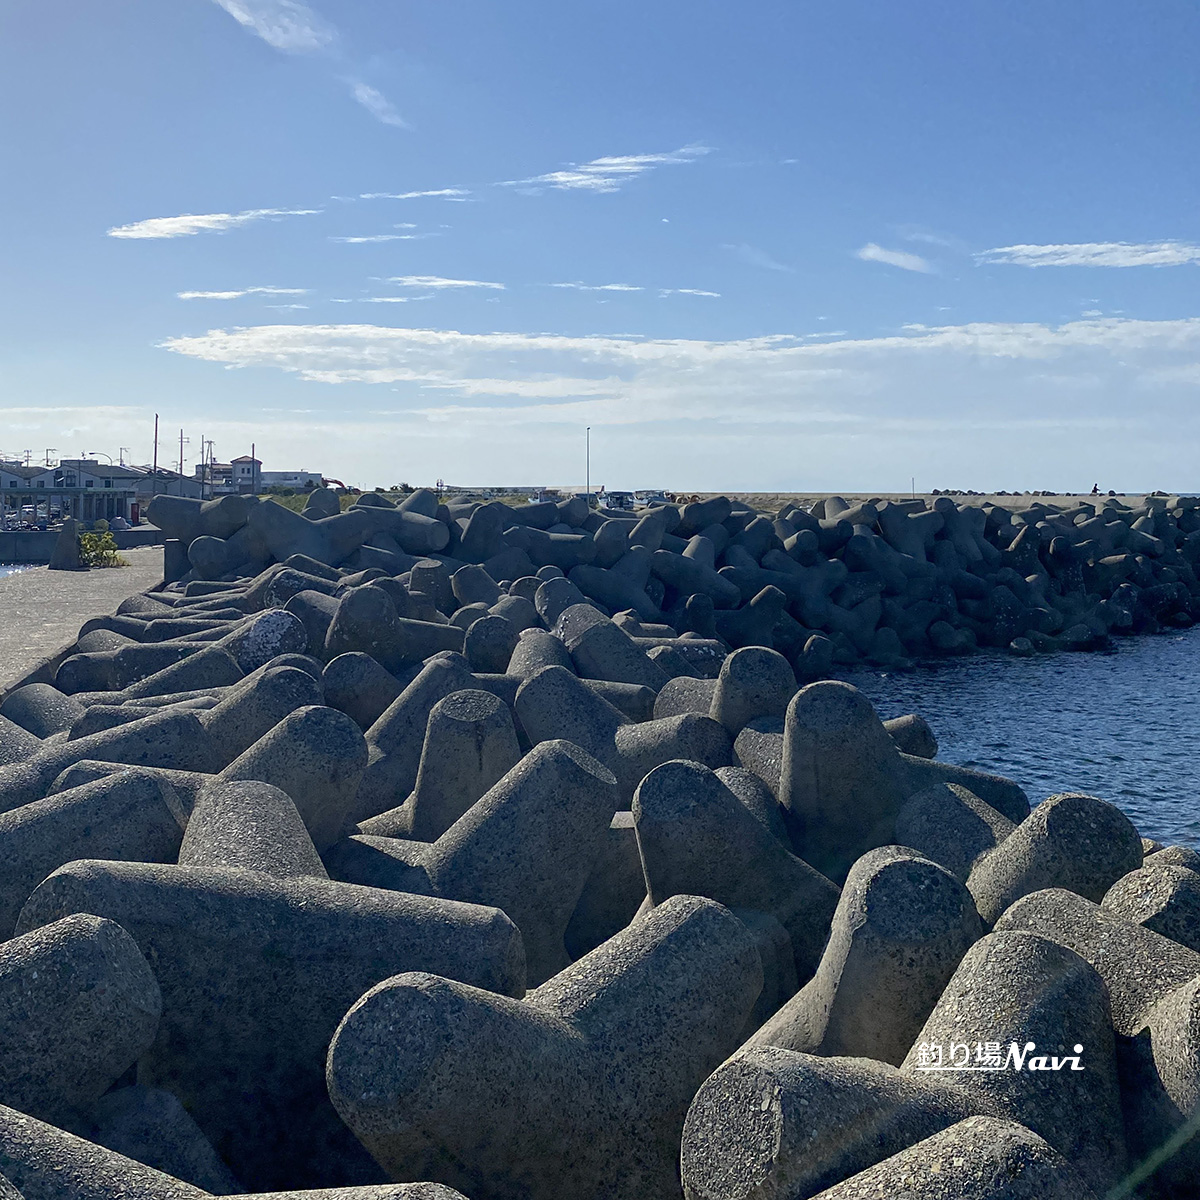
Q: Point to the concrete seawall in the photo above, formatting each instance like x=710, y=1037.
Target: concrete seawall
x=34, y=546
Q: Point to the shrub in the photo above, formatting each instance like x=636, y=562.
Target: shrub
x=100, y=550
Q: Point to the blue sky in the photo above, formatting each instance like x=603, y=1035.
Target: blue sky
x=782, y=246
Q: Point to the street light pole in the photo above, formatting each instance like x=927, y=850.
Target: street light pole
x=588, y=464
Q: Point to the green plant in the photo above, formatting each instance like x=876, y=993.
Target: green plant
x=100, y=550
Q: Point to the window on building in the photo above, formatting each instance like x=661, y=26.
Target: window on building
x=108, y=483
x=90, y=483
x=41, y=483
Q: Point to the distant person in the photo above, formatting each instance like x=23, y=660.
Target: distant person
x=1095, y=489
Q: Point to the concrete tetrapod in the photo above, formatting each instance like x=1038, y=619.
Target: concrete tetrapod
x=770, y=1124
x=174, y=740
x=252, y=708
x=151, y=1126
x=554, y=703
x=48, y=1163
x=527, y=846
x=753, y=682
x=1151, y=982
x=842, y=781
x=1164, y=898
x=396, y=740
x=131, y=815
x=78, y=1006
x=470, y=743
x=251, y=825
x=1071, y=841
x=1030, y=1004
x=901, y=928
x=597, y=1066
x=949, y=824
x=316, y=755
x=982, y=1157
x=255, y=974
x=696, y=838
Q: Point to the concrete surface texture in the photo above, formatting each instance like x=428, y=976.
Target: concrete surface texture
x=43, y=610
x=551, y=866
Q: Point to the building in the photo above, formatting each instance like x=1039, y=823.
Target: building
x=159, y=481
x=292, y=479
x=76, y=487
x=245, y=474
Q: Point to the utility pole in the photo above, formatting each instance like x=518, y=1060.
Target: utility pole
x=182, y=442
x=154, y=469
x=253, y=471
x=588, y=464
x=121, y=452
x=206, y=459
x=51, y=450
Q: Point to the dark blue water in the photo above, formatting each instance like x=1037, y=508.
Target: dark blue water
x=1118, y=726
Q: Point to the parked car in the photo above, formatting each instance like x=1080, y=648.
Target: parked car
x=618, y=500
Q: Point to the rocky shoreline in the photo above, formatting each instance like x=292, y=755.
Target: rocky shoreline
x=881, y=582
x=517, y=854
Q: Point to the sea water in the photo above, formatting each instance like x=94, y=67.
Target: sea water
x=1118, y=726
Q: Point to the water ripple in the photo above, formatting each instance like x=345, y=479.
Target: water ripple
x=1118, y=726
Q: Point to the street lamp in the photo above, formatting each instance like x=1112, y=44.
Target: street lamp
x=93, y=453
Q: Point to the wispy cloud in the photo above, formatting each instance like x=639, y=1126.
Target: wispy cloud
x=285, y=306
x=977, y=382
x=688, y=292
x=443, y=193
x=605, y=174
x=377, y=104
x=1095, y=254
x=294, y=28
x=284, y=24
x=894, y=258
x=189, y=224
x=236, y=295
x=599, y=287
x=754, y=257
x=383, y=237
x=437, y=281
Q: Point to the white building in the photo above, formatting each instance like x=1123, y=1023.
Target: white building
x=77, y=487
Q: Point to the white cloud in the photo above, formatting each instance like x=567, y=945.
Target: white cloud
x=391, y=299
x=250, y=291
x=285, y=306
x=605, y=174
x=688, y=292
x=893, y=258
x=436, y=281
x=754, y=257
x=961, y=372
x=384, y=237
x=189, y=224
x=284, y=24
x=917, y=233
x=1095, y=254
x=377, y=104
x=599, y=287
x=445, y=193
